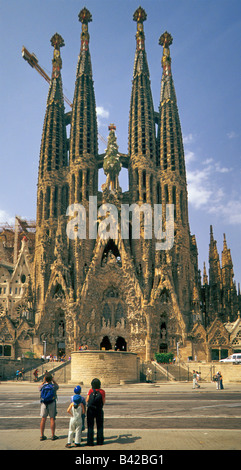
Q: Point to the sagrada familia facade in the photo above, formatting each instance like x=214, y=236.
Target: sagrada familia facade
x=117, y=293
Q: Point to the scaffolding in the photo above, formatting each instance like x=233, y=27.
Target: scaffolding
x=12, y=235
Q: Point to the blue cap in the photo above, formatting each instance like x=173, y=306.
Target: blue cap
x=77, y=399
x=77, y=389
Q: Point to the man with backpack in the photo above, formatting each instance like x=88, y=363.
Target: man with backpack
x=95, y=402
x=48, y=398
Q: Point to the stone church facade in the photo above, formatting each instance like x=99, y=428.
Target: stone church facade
x=114, y=292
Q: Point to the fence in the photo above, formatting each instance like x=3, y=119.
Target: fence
x=180, y=371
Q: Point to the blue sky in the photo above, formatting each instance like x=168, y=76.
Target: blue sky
x=206, y=66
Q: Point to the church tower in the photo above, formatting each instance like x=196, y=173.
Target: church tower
x=83, y=169
x=142, y=153
x=52, y=194
x=171, y=188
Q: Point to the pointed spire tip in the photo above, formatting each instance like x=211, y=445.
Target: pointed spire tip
x=85, y=16
x=166, y=39
x=140, y=15
x=57, y=41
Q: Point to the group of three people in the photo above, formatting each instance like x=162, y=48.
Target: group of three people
x=77, y=409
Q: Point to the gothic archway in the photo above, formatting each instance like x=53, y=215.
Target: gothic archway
x=105, y=343
x=111, y=251
x=120, y=344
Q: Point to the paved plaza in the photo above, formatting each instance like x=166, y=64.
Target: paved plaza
x=158, y=417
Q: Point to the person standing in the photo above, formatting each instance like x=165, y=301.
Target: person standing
x=194, y=380
x=48, y=399
x=221, y=381
x=77, y=391
x=218, y=381
x=75, y=409
x=95, y=402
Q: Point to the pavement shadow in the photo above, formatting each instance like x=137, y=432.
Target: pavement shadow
x=121, y=439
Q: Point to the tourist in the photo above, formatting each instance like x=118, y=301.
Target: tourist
x=75, y=409
x=35, y=375
x=95, y=402
x=198, y=376
x=48, y=391
x=221, y=381
x=77, y=391
x=194, y=380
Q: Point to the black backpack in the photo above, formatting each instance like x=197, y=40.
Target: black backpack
x=95, y=400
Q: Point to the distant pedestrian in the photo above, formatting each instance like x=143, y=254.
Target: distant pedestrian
x=217, y=380
x=17, y=374
x=95, y=402
x=35, y=375
x=194, y=380
x=75, y=409
x=48, y=398
x=198, y=376
x=221, y=381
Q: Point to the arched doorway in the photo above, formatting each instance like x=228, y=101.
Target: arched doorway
x=120, y=344
x=105, y=344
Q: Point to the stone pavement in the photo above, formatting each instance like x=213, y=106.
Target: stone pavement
x=129, y=439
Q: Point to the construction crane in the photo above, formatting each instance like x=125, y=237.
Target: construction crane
x=33, y=62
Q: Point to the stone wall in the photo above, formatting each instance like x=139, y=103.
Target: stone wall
x=230, y=372
x=8, y=367
x=111, y=367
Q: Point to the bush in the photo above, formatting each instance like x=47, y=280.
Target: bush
x=29, y=355
x=164, y=358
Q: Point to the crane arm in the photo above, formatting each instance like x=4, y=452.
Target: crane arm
x=33, y=62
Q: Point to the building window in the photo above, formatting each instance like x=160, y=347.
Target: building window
x=5, y=350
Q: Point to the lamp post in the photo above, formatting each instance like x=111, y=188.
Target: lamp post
x=44, y=349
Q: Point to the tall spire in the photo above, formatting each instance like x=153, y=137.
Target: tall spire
x=53, y=152
x=227, y=265
x=141, y=123
x=83, y=134
x=170, y=152
x=215, y=280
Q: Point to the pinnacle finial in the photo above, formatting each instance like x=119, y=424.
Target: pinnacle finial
x=85, y=16
x=165, y=41
x=57, y=41
x=139, y=15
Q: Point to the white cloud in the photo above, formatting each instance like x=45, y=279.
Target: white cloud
x=230, y=211
x=187, y=139
x=199, y=188
x=102, y=112
x=232, y=135
x=189, y=156
x=207, y=193
x=221, y=169
x=6, y=218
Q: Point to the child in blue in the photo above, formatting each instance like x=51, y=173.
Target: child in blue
x=77, y=391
